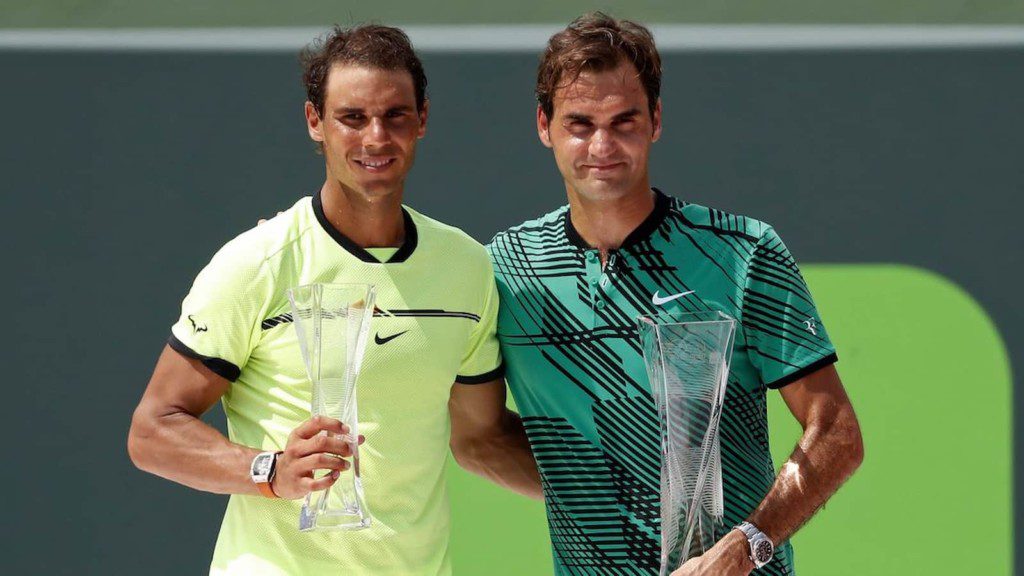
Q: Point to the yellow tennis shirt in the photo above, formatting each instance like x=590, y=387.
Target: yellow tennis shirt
x=435, y=326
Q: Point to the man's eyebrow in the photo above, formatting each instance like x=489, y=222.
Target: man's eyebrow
x=357, y=110
x=576, y=117
x=627, y=114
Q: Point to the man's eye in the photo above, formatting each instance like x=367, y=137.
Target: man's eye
x=625, y=123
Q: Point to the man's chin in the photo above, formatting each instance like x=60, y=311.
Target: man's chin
x=383, y=190
x=378, y=189
x=602, y=190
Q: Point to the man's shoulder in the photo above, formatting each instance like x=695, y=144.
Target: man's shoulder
x=251, y=250
x=455, y=243
x=700, y=219
x=546, y=227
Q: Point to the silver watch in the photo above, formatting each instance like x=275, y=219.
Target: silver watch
x=761, y=548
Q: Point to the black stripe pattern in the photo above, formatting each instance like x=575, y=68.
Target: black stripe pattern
x=286, y=318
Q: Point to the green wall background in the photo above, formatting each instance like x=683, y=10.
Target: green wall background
x=152, y=13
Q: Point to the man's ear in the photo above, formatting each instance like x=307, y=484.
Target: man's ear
x=314, y=125
x=423, y=113
x=543, y=127
x=656, y=119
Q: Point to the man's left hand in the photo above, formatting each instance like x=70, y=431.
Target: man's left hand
x=730, y=556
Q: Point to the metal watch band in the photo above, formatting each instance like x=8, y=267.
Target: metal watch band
x=762, y=549
x=748, y=529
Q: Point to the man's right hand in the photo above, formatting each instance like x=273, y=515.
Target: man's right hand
x=319, y=443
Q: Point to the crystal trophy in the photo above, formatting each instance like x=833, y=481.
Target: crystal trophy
x=332, y=322
x=687, y=358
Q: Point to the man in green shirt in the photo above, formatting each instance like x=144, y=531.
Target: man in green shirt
x=572, y=284
x=431, y=377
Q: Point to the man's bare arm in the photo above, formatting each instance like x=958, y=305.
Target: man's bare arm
x=167, y=437
x=829, y=451
x=489, y=440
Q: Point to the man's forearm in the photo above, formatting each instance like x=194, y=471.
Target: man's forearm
x=829, y=451
x=503, y=457
x=180, y=447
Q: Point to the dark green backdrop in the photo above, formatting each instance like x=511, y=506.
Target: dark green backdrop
x=122, y=173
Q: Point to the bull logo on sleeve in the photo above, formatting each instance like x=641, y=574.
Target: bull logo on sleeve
x=196, y=328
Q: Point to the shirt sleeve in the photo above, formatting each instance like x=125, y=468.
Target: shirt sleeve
x=786, y=339
x=482, y=361
x=219, y=322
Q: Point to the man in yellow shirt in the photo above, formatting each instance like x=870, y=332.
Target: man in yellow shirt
x=431, y=378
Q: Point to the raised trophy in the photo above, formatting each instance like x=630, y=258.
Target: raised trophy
x=687, y=358
x=332, y=322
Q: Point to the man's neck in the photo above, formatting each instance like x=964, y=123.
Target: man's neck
x=369, y=222
x=605, y=224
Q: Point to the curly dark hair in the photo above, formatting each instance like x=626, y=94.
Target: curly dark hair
x=596, y=42
x=369, y=45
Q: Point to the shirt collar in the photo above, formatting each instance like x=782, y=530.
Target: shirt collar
x=403, y=253
x=662, y=205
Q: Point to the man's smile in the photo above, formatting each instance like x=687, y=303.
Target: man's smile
x=604, y=167
x=375, y=164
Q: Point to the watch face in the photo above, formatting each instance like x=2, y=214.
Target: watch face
x=261, y=467
x=763, y=551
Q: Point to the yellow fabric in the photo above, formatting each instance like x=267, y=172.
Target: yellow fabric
x=382, y=254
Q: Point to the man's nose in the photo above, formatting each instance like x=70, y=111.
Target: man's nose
x=601, y=143
x=375, y=133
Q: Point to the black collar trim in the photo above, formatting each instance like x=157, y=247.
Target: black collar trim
x=662, y=206
x=403, y=253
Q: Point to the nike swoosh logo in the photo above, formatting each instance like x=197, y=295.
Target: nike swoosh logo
x=379, y=340
x=658, y=300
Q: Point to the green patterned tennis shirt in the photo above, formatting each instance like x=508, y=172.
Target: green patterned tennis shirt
x=568, y=336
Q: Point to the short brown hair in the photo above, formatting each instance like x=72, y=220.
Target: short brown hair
x=369, y=45
x=596, y=42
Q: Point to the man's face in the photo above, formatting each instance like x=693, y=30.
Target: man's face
x=368, y=129
x=601, y=131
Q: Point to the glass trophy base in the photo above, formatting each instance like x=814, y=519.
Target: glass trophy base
x=309, y=520
x=340, y=507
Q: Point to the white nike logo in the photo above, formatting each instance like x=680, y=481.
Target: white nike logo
x=658, y=301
